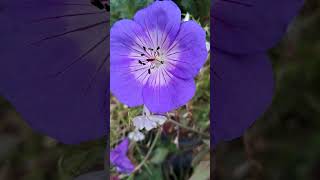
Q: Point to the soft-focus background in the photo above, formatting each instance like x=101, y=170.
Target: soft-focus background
x=285, y=143
x=179, y=153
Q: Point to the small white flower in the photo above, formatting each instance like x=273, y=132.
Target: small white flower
x=141, y=122
x=136, y=135
x=148, y=121
x=160, y=120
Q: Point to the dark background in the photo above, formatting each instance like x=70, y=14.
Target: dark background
x=285, y=143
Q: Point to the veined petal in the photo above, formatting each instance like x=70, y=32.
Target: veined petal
x=243, y=87
x=125, y=42
x=165, y=92
x=248, y=26
x=126, y=86
x=161, y=21
x=187, y=54
x=126, y=72
x=54, y=70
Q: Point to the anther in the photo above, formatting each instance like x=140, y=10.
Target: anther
x=144, y=48
x=158, y=48
x=140, y=62
x=149, y=71
x=150, y=49
x=142, y=54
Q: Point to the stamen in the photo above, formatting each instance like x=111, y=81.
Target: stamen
x=140, y=62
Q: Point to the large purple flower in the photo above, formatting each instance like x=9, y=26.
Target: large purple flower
x=241, y=33
x=155, y=58
x=118, y=157
x=53, y=66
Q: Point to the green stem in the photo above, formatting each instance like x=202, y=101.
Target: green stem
x=188, y=128
x=149, y=152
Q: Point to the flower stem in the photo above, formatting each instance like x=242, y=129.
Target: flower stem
x=149, y=152
x=188, y=128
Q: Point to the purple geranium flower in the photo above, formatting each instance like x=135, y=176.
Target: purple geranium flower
x=243, y=85
x=155, y=58
x=53, y=66
x=118, y=157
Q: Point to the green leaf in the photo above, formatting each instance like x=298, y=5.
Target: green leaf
x=159, y=155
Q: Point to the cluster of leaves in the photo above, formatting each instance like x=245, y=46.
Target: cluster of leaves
x=285, y=143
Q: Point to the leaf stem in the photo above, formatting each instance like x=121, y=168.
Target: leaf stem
x=188, y=128
x=149, y=152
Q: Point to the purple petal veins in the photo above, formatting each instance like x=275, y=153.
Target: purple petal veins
x=155, y=58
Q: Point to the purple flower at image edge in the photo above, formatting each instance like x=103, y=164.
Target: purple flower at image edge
x=118, y=158
x=155, y=58
x=241, y=34
x=53, y=68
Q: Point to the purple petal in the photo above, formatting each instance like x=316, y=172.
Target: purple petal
x=252, y=25
x=243, y=87
x=160, y=16
x=123, y=146
x=118, y=157
x=165, y=91
x=188, y=52
x=47, y=74
x=124, y=165
x=120, y=150
x=126, y=72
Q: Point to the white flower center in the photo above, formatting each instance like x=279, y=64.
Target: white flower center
x=151, y=57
